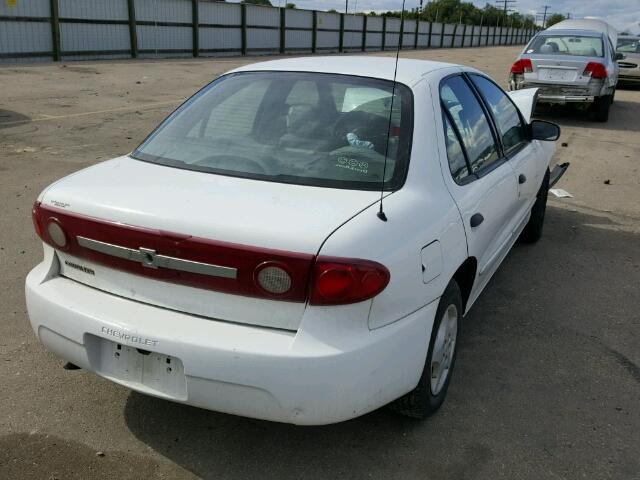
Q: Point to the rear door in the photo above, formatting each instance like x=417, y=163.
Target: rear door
x=482, y=182
x=525, y=157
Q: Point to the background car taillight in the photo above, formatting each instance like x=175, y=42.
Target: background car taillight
x=595, y=70
x=522, y=66
x=339, y=281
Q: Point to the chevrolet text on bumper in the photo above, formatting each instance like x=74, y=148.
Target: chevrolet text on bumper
x=237, y=261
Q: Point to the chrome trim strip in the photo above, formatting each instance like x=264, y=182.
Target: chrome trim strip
x=149, y=258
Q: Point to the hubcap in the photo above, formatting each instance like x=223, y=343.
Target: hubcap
x=443, y=348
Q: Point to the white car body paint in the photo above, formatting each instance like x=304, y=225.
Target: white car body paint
x=283, y=361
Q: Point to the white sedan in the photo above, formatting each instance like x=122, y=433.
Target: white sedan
x=297, y=242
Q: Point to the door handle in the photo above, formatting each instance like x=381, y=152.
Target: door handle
x=521, y=179
x=476, y=219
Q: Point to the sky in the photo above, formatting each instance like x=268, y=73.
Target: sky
x=622, y=14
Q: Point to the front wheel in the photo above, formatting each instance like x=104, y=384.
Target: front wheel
x=533, y=229
x=431, y=391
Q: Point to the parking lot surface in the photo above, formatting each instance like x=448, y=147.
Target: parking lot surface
x=547, y=380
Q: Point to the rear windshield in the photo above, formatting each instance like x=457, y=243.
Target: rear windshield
x=304, y=128
x=567, y=45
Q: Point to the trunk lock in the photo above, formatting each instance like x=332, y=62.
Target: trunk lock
x=148, y=257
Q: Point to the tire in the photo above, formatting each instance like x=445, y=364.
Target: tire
x=601, y=108
x=422, y=402
x=533, y=229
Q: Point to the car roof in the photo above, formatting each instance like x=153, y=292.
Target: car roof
x=409, y=70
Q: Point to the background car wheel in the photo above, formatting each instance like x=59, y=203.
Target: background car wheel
x=431, y=391
x=533, y=230
x=601, y=108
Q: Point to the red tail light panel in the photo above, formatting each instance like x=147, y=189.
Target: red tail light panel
x=241, y=257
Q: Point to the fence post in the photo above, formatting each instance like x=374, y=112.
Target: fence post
x=429, y=37
x=493, y=43
x=314, y=33
x=401, y=37
x=243, y=28
x=442, y=29
x=195, y=21
x=55, y=30
x=283, y=29
x=453, y=37
x=416, y=34
x=384, y=32
x=133, y=34
x=364, y=33
x=464, y=34
x=341, y=36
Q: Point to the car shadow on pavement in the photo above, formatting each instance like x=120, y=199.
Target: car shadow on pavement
x=545, y=382
x=572, y=116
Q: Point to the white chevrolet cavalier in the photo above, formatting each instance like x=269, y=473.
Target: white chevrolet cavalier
x=241, y=259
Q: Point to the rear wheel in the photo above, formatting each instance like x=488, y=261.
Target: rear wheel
x=601, y=108
x=431, y=391
x=533, y=229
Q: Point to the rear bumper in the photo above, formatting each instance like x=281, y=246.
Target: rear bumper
x=564, y=99
x=313, y=376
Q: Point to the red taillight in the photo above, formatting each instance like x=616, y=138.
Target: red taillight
x=261, y=272
x=338, y=281
x=595, y=70
x=522, y=66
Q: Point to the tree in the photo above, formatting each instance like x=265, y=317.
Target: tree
x=553, y=19
x=290, y=5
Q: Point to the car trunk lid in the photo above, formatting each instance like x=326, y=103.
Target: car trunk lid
x=553, y=70
x=190, y=241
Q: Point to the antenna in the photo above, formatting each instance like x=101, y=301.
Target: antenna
x=380, y=213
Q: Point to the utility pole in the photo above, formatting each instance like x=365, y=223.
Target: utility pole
x=544, y=16
x=346, y=6
x=506, y=5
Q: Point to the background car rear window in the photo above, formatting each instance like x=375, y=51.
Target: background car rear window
x=470, y=121
x=567, y=45
x=305, y=128
x=504, y=112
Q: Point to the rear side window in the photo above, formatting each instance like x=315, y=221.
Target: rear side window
x=505, y=114
x=304, y=128
x=470, y=121
x=577, y=45
x=455, y=154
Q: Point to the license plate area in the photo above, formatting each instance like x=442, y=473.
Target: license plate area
x=557, y=75
x=139, y=369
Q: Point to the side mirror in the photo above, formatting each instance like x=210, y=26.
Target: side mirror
x=545, y=131
x=620, y=56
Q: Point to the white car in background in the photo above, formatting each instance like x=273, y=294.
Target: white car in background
x=571, y=62
x=241, y=260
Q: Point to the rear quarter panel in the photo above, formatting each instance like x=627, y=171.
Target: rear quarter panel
x=421, y=212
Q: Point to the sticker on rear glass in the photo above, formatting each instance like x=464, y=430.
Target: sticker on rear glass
x=353, y=165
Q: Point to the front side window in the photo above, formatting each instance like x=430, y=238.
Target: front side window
x=470, y=121
x=303, y=128
x=577, y=45
x=505, y=114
